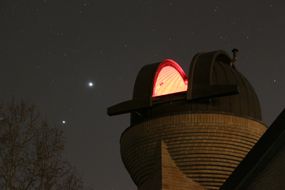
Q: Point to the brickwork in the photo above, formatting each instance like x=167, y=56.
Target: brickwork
x=205, y=148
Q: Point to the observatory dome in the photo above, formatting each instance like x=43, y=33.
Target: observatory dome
x=214, y=85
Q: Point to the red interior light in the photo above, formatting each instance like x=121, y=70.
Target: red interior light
x=170, y=78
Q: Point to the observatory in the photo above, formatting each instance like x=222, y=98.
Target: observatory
x=189, y=132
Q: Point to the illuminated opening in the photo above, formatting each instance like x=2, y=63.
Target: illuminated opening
x=169, y=78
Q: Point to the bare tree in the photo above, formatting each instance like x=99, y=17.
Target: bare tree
x=31, y=152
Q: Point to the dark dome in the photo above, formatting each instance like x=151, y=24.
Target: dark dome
x=215, y=86
x=245, y=103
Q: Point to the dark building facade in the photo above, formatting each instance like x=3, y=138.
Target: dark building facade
x=191, y=132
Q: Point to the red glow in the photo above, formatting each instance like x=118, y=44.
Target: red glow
x=170, y=78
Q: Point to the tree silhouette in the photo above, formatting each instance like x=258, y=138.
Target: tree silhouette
x=31, y=152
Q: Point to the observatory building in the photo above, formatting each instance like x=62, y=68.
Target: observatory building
x=197, y=131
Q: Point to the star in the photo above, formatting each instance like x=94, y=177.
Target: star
x=221, y=37
x=90, y=84
x=63, y=122
x=216, y=9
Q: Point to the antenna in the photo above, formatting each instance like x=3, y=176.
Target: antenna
x=235, y=51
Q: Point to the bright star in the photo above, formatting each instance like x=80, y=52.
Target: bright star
x=63, y=122
x=90, y=84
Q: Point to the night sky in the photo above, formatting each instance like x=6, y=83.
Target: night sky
x=75, y=58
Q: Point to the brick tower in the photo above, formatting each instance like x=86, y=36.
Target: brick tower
x=189, y=133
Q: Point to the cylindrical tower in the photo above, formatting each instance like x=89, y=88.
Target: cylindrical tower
x=208, y=123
